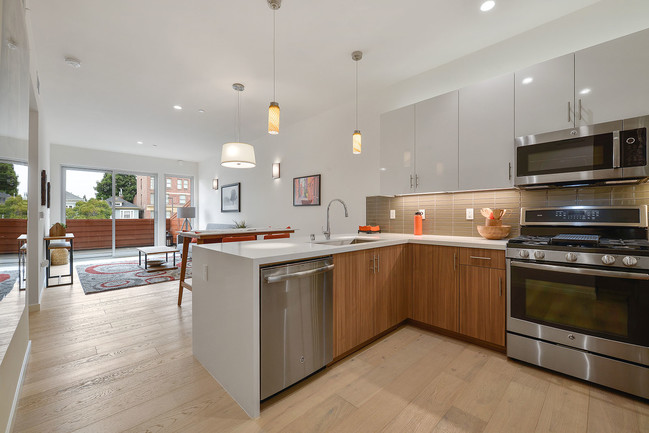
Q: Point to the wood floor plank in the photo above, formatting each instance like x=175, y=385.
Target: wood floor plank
x=564, y=411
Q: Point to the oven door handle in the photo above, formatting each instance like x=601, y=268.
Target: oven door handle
x=582, y=271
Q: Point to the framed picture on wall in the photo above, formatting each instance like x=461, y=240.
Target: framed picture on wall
x=306, y=190
x=231, y=198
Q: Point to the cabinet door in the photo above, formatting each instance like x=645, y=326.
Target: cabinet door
x=397, y=151
x=486, y=134
x=474, y=300
x=497, y=310
x=612, y=81
x=436, y=143
x=353, y=300
x=392, y=284
x=547, y=102
x=434, y=293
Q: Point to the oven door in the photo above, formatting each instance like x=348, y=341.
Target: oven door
x=597, y=310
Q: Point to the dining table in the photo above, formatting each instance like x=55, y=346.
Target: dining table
x=215, y=236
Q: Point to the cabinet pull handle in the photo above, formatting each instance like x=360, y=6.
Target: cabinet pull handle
x=480, y=258
x=373, y=267
x=417, y=181
x=378, y=261
x=454, y=261
x=510, y=171
x=411, y=181
x=569, y=119
x=500, y=286
x=580, y=109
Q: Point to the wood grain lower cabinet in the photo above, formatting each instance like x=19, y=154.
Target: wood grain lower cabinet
x=482, y=303
x=371, y=294
x=434, y=287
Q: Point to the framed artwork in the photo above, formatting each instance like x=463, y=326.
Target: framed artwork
x=306, y=190
x=231, y=198
x=43, y=187
x=48, y=195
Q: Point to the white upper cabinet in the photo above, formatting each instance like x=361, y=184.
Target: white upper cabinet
x=436, y=144
x=545, y=96
x=486, y=135
x=612, y=80
x=397, y=151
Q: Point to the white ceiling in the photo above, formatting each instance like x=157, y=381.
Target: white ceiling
x=141, y=57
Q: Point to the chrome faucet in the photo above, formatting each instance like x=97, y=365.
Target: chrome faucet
x=327, y=233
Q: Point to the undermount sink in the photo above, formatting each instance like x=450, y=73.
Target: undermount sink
x=346, y=241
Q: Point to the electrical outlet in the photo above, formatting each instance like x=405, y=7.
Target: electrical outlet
x=469, y=213
x=423, y=213
x=393, y=214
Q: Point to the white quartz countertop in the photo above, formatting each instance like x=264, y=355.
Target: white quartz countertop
x=301, y=247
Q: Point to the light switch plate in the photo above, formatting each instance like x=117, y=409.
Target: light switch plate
x=393, y=214
x=423, y=213
x=469, y=213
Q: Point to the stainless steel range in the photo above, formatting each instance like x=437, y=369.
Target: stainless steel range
x=578, y=294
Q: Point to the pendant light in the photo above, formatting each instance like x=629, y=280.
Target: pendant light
x=356, y=138
x=237, y=154
x=273, y=108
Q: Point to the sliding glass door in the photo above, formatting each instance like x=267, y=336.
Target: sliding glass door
x=134, y=212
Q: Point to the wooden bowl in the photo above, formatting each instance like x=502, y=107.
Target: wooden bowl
x=494, y=232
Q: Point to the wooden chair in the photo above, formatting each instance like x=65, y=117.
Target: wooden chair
x=239, y=238
x=277, y=236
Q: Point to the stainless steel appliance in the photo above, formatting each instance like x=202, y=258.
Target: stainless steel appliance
x=296, y=322
x=612, y=152
x=578, y=294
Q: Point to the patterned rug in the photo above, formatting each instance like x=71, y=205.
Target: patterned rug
x=7, y=281
x=120, y=275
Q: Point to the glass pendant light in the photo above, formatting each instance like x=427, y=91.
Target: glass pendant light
x=237, y=154
x=356, y=138
x=273, y=108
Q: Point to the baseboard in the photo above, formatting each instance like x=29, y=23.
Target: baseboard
x=19, y=387
x=34, y=307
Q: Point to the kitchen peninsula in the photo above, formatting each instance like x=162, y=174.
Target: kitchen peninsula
x=226, y=297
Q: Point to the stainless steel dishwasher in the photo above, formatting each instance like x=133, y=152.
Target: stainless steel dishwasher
x=296, y=322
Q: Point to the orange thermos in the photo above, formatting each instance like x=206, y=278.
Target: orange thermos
x=418, y=223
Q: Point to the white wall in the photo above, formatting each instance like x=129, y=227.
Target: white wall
x=319, y=145
x=69, y=156
x=322, y=144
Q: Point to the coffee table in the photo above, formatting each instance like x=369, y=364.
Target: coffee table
x=156, y=250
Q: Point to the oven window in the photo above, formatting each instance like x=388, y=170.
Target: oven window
x=608, y=307
x=566, y=156
x=577, y=306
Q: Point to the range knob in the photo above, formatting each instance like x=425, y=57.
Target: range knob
x=539, y=255
x=608, y=260
x=630, y=261
x=524, y=253
x=571, y=257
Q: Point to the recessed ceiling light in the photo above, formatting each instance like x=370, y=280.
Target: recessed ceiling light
x=527, y=80
x=177, y=107
x=585, y=91
x=140, y=142
x=200, y=110
x=73, y=62
x=487, y=6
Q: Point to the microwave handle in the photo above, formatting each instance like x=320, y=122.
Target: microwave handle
x=616, y=150
x=582, y=271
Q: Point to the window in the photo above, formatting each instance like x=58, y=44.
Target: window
x=151, y=198
x=185, y=184
x=168, y=214
x=152, y=183
x=167, y=198
x=182, y=199
x=168, y=183
x=179, y=184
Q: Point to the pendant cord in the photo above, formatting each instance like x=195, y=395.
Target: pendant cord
x=274, y=79
x=356, y=94
x=238, y=115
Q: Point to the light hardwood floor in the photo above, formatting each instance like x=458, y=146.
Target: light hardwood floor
x=122, y=361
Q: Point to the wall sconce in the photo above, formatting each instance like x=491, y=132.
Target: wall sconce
x=275, y=170
x=215, y=183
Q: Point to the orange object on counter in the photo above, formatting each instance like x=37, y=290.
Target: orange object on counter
x=418, y=224
x=369, y=228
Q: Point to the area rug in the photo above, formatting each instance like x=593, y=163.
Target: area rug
x=7, y=282
x=120, y=275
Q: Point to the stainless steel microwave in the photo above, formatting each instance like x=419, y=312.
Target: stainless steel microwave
x=607, y=153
